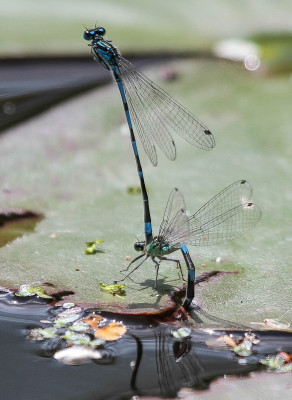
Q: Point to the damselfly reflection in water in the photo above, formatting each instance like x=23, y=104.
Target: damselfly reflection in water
x=223, y=218
x=149, y=110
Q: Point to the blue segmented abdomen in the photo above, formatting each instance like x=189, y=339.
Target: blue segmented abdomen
x=184, y=248
x=148, y=228
x=135, y=148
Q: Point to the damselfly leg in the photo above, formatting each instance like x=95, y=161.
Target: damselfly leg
x=137, y=266
x=178, y=265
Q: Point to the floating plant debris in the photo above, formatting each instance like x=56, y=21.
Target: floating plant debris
x=30, y=290
x=93, y=320
x=275, y=324
x=81, y=330
x=282, y=362
x=181, y=333
x=69, y=311
x=116, y=290
x=92, y=246
x=133, y=189
x=42, y=334
x=112, y=331
x=68, y=305
x=271, y=323
x=80, y=326
x=76, y=338
x=241, y=345
x=64, y=320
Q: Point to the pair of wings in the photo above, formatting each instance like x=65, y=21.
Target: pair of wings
x=156, y=115
x=226, y=216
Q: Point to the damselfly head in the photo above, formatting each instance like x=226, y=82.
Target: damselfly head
x=139, y=246
x=91, y=34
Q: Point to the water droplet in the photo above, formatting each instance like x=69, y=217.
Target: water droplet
x=252, y=62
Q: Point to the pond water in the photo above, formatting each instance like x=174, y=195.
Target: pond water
x=147, y=360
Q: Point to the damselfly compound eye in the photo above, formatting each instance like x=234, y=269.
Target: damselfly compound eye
x=87, y=35
x=100, y=31
x=139, y=246
x=91, y=34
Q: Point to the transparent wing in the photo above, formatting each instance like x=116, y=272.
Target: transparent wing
x=226, y=216
x=156, y=115
x=174, y=228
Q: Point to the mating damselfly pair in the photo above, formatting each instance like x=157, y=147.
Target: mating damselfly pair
x=155, y=115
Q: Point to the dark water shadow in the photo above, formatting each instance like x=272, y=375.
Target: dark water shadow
x=16, y=223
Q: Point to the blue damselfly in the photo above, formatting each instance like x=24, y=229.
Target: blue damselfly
x=154, y=113
x=225, y=217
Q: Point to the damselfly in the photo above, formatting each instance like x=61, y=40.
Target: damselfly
x=155, y=114
x=223, y=218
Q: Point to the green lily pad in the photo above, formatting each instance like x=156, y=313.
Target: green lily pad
x=75, y=171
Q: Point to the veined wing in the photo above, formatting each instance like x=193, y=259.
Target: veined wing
x=225, y=217
x=156, y=115
x=174, y=227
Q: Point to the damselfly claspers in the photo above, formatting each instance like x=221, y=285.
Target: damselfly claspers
x=154, y=113
x=223, y=218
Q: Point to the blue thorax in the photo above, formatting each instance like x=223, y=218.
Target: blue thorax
x=106, y=54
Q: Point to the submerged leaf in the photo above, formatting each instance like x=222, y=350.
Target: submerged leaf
x=80, y=326
x=92, y=246
x=111, y=332
x=63, y=321
x=76, y=338
x=242, y=350
x=70, y=311
x=280, y=363
x=42, y=334
x=97, y=343
x=217, y=343
x=273, y=362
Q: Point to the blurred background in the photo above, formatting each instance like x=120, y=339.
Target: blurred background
x=229, y=62
x=42, y=28
x=44, y=58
